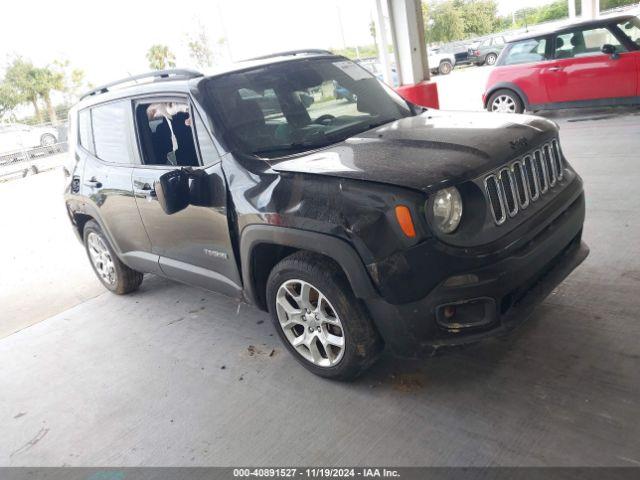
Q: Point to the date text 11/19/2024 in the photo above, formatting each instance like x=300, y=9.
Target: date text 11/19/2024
x=315, y=472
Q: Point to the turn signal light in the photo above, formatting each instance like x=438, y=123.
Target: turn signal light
x=403, y=215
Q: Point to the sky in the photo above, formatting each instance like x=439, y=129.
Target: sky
x=109, y=39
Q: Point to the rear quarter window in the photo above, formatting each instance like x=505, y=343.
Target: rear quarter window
x=526, y=51
x=111, y=132
x=84, y=130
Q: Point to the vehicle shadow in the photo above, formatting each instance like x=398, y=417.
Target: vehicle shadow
x=589, y=114
x=546, y=353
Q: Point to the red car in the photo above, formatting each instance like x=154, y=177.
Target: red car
x=592, y=63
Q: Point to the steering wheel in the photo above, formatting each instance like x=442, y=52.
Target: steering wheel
x=325, y=119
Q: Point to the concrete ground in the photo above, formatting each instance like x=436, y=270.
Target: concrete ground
x=173, y=375
x=44, y=269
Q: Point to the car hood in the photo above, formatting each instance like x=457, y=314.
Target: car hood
x=428, y=151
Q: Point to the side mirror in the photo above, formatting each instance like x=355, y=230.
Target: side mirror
x=610, y=50
x=172, y=190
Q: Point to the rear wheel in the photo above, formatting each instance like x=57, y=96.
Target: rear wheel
x=317, y=316
x=445, y=67
x=113, y=274
x=491, y=59
x=505, y=101
x=47, y=140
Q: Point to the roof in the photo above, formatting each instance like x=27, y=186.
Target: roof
x=571, y=26
x=181, y=79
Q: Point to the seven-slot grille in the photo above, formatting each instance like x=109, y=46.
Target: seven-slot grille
x=522, y=181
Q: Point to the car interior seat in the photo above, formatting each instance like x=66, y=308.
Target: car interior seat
x=577, y=42
x=560, y=53
x=248, y=123
x=186, y=152
x=162, y=143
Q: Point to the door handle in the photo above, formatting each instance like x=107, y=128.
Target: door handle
x=93, y=182
x=555, y=69
x=148, y=191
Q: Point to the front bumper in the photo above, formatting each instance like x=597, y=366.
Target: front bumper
x=510, y=287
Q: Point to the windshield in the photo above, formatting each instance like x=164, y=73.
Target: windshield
x=291, y=107
x=631, y=29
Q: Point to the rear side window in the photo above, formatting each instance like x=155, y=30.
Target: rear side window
x=110, y=132
x=84, y=130
x=585, y=43
x=526, y=51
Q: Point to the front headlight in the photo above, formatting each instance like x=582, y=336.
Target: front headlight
x=447, y=209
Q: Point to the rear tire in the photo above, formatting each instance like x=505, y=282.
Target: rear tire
x=47, y=140
x=490, y=59
x=505, y=101
x=445, y=67
x=312, y=306
x=113, y=274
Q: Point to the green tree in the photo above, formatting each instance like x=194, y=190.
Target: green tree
x=74, y=82
x=199, y=49
x=47, y=80
x=446, y=22
x=24, y=78
x=9, y=98
x=608, y=4
x=160, y=57
x=480, y=17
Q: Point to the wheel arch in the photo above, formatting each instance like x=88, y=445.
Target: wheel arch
x=507, y=86
x=263, y=246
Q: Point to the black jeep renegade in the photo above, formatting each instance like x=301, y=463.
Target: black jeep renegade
x=357, y=221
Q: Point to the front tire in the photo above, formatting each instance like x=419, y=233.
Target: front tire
x=111, y=272
x=505, y=101
x=318, y=318
x=445, y=67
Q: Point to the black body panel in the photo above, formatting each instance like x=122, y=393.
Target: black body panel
x=340, y=201
x=426, y=152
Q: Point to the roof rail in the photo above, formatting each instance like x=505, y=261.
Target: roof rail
x=173, y=74
x=291, y=53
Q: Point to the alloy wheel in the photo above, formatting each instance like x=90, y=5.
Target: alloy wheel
x=310, y=323
x=503, y=104
x=48, y=140
x=101, y=258
x=491, y=59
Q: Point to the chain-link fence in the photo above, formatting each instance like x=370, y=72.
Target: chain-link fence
x=26, y=149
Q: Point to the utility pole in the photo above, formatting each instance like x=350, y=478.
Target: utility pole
x=344, y=43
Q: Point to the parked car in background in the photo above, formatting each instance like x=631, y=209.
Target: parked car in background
x=440, y=62
x=18, y=136
x=459, y=49
x=592, y=63
x=487, y=51
x=375, y=67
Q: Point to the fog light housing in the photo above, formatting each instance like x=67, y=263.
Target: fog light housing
x=472, y=313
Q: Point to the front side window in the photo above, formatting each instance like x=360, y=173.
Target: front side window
x=585, y=43
x=526, y=51
x=498, y=41
x=165, y=133
x=631, y=28
x=111, y=132
x=291, y=107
